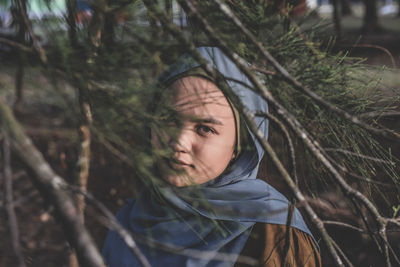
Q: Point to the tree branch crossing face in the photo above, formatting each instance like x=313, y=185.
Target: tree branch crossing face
x=205, y=133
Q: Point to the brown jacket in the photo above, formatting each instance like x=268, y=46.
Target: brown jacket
x=267, y=244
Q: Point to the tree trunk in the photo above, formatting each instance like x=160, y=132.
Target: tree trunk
x=71, y=20
x=109, y=31
x=19, y=83
x=370, y=17
x=20, y=37
x=345, y=7
x=336, y=19
x=398, y=10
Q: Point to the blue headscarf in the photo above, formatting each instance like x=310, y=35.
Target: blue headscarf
x=216, y=216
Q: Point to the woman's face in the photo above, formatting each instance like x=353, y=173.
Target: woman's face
x=204, y=143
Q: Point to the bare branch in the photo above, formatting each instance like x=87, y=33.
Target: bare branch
x=9, y=203
x=383, y=49
x=296, y=84
x=36, y=45
x=346, y=225
x=190, y=9
x=110, y=221
x=51, y=186
x=294, y=188
x=342, y=253
x=312, y=144
x=291, y=150
x=263, y=71
x=376, y=114
x=344, y=151
x=16, y=45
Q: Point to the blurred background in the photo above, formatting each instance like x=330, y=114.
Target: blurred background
x=54, y=54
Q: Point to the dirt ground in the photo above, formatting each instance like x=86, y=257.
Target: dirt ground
x=42, y=240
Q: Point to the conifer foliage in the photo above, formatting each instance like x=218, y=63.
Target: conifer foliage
x=331, y=143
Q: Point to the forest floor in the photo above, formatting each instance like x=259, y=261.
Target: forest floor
x=42, y=241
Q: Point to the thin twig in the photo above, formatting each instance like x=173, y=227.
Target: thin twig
x=110, y=221
x=376, y=114
x=189, y=8
x=346, y=225
x=50, y=186
x=84, y=165
x=95, y=34
x=291, y=150
x=354, y=175
x=296, y=84
x=312, y=144
x=36, y=45
x=331, y=160
x=342, y=253
x=113, y=224
x=16, y=45
x=383, y=49
x=294, y=188
x=328, y=209
x=263, y=70
x=344, y=151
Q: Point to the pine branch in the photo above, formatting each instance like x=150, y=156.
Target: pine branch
x=312, y=144
x=249, y=119
x=297, y=85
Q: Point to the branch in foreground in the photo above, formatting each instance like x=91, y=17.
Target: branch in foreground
x=376, y=114
x=110, y=221
x=242, y=65
x=297, y=85
x=291, y=150
x=15, y=44
x=9, y=203
x=294, y=188
x=28, y=24
x=312, y=144
x=265, y=93
x=51, y=186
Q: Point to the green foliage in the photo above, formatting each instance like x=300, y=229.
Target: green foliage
x=121, y=80
x=119, y=77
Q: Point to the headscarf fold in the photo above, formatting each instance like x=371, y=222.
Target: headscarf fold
x=216, y=216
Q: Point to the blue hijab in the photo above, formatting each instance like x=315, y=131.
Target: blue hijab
x=216, y=216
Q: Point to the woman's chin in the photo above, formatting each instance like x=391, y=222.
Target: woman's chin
x=180, y=181
x=185, y=180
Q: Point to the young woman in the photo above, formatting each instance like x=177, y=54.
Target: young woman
x=212, y=199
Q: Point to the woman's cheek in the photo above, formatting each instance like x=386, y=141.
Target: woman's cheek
x=218, y=157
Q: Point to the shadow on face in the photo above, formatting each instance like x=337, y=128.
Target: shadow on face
x=201, y=133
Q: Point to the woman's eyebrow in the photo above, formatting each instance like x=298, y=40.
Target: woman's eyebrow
x=208, y=120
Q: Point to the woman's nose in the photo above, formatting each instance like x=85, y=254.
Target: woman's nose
x=183, y=142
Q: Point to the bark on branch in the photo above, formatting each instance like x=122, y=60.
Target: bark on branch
x=9, y=202
x=52, y=187
x=312, y=144
x=297, y=84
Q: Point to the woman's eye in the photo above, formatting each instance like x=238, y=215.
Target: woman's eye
x=204, y=130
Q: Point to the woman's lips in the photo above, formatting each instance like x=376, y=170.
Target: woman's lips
x=183, y=163
x=177, y=164
x=180, y=163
